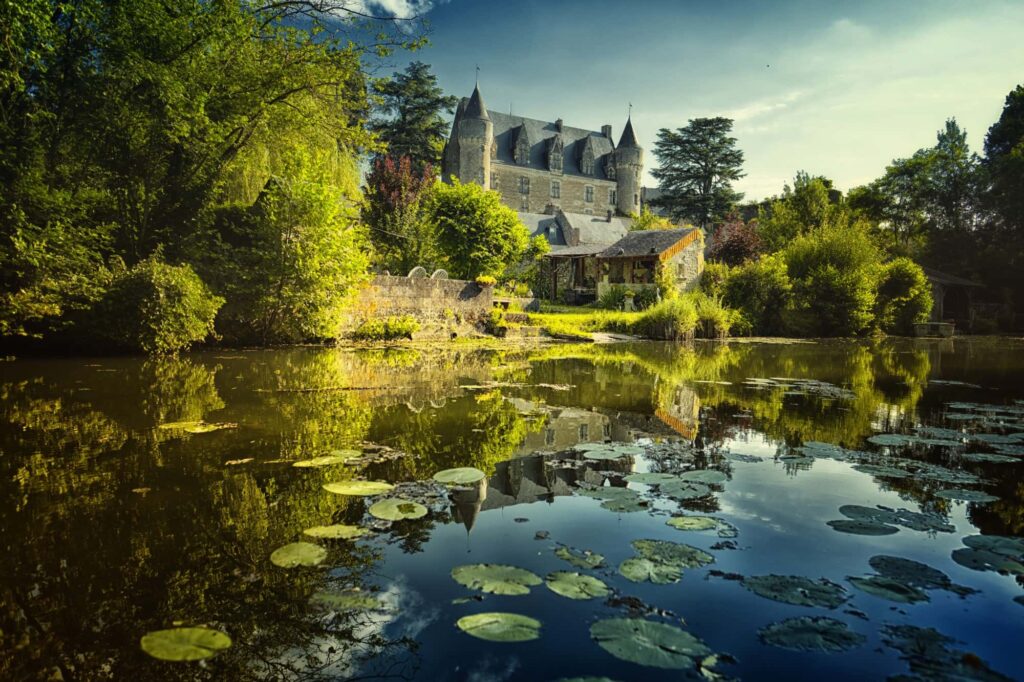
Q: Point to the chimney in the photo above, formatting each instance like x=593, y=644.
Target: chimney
x=558, y=124
x=606, y=130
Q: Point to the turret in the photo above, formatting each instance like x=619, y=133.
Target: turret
x=629, y=163
x=475, y=135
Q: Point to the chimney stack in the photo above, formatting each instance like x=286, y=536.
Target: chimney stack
x=558, y=124
x=606, y=130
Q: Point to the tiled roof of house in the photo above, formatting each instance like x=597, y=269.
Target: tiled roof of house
x=645, y=243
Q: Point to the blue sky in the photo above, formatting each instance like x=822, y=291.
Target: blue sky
x=833, y=88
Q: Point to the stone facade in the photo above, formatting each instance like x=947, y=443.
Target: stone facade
x=438, y=304
x=541, y=186
x=684, y=261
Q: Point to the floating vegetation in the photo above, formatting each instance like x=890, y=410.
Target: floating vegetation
x=298, y=554
x=672, y=553
x=857, y=527
x=705, y=476
x=337, y=531
x=640, y=570
x=649, y=478
x=184, y=644
x=890, y=589
x=197, y=426
x=500, y=627
x=882, y=471
x=698, y=523
x=361, y=488
x=395, y=509
x=648, y=643
x=348, y=601
x=882, y=516
x=930, y=657
x=576, y=585
x=336, y=457
x=999, y=553
x=580, y=558
x=963, y=495
x=495, y=578
x=811, y=633
x=989, y=458
x=684, y=490
x=916, y=574
x=797, y=590
x=797, y=387
x=609, y=451
x=459, y=476
x=614, y=498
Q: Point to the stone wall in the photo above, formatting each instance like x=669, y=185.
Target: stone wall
x=572, y=193
x=435, y=303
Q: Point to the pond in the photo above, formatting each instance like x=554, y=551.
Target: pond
x=845, y=510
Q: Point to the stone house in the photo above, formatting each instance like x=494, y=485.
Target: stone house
x=639, y=259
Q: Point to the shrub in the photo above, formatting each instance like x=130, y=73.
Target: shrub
x=645, y=298
x=762, y=292
x=388, y=329
x=614, y=298
x=714, y=320
x=904, y=297
x=712, y=280
x=672, y=319
x=485, y=281
x=155, y=308
x=735, y=242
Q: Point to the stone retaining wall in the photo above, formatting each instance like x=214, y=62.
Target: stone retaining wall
x=446, y=302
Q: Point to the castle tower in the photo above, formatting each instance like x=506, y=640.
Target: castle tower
x=474, y=137
x=629, y=163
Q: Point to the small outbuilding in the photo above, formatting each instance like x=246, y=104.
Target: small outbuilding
x=640, y=259
x=952, y=298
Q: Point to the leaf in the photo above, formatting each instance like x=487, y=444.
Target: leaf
x=495, y=578
x=197, y=426
x=641, y=570
x=650, y=478
x=672, y=553
x=460, y=476
x=395, y=509
x=184, y=644
x=963, y=495
x=339, y=457
x=648, y=643
x=576, y=585
x=706, y=476
x=336, y=532
x=699, y=523
x=855, y=527
x=298, y=554
x=500, y=627
x=887, y=588
x=236, y=462
x=581, y=558
x=358, y=487
x=797, y=590
x=684, y=490
x=807, y=633
x=916, y=574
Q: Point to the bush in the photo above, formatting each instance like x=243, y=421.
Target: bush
x=645, y=298
x=712, y=280
x=672, y=319
x=714, y=320
x=389, y=329
x=735, y=242
x=904, y=297
x=485, y=281
x=614, y=298
x=762, y=292
x=155, y=308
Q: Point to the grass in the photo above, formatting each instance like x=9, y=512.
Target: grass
x=574, y=323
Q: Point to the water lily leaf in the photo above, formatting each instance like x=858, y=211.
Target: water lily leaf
x=625, y=504
x=339, y=457
x=672, y=553
x=797, y=590
x=922, y=521
x=966, y=495
x=337, y=531
x=883, y=471
x=930, y=656
x=581, y=558
x=1019, y=600
x=642, y=570
x=459, y=476
x=608, y=492
x=298, y=554
x=989, y=458
x=395, y=509
x=500, y=627
x=1004, y=545
x=856, y=527
x=983, y=560
x=184, y=644
x=891, y=439
x=890, y=589
x=348, y=601
x=648, y=643
x=576, y=585
x=992, y=438
x=361, y=488
x=650, y=478
x=706, y=476
x=685, y=490
x=495, y=578
x=605, y=454
x=916, y=574
x=699, y=523
x=811, y=633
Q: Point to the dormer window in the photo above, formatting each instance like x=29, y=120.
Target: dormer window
x=555, y=149
x=609, y=167
x=587, y=157
x=521, y=146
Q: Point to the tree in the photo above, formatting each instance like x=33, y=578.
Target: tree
x=1004, y=162
x=698, y=164
x=809, y=204
x=735, y=242
x=476, y=233
x=904, y=297
x=411, y=121
x=646, y=220
x=392, y=210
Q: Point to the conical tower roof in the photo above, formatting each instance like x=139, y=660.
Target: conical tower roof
x=628, y=138
x=476, y=108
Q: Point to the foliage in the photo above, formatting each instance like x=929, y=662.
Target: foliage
x=523, y=276
x=392, y=210
x=735, y=241
x=698, y=164
x=417, y=105
x=646, y=220
x=155, y=308
x=809, y=204
x=714, y=319
x=614, y=297
x=485, y=281
x=834, y=273
x=476, y=233
x=672, y=319
x=761, y=290
x=712, y=280
x=904, y=297
x=389, y=329
x=645, y=298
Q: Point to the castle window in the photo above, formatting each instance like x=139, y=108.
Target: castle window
x=555, y=150
x=587, y=167
x=524, y=184
x=556, y=189
x=612, y=197
x=588, y=193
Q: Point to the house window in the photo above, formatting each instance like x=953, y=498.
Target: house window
x=584, y=432
x=587, y=166
x=611, y=197
x=556, y=189
x=588, y=193
x=524, y=184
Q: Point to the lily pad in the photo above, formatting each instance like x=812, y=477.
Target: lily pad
x=348, y=601
x=459, y=476
x=705, y=476
x=811, y=633
x=184, y=644
x=982, y=560
x=930, y=656
x=963, y=495
x=922, y=521
x=395, y=509
x=576, y=585
x=581, y=558
x=500, y=627
x=856, y=527
x=495, y=578
x=624, y=505
x=1004, y=545
x=684, y=490
x=361, y=488
x=648, y=643
x=339, y=457
x=337, y=531
x=916, y=574
x=989, y=458
x=298, y=554
x=797, y=590
x=699, y=523
x=891, y=439
x=672, y=553
x=883, y=471
x=640, y=570
x=650, y=478
x=609, y=453
x=890, y=589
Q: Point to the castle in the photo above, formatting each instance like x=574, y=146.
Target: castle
x=542, y=166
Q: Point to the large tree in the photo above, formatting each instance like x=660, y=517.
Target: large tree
x=1004, y=162
x=392, y=209
x=698, y=164
x=411, y=118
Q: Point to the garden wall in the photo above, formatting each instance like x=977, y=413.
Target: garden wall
x=438, y=304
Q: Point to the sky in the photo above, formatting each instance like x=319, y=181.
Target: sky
x=838, y=89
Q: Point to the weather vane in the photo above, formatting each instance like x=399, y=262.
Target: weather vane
x=478, y=75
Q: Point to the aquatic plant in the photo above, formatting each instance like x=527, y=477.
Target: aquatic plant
x=500, y=627
x=495, y=578
x=184, y=644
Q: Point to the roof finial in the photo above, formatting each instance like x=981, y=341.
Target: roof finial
x=478, y=75
x=629, y=114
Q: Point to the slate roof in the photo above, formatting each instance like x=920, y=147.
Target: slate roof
x=475, y=107
x=583, y=250
x=594, y=229
x=628, y=138
x=645, y=243
x=544, y=224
